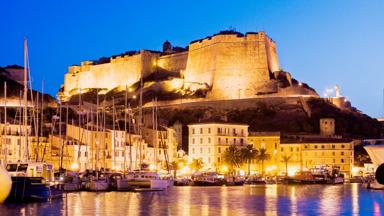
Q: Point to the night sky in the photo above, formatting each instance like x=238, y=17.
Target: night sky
x=322, y=43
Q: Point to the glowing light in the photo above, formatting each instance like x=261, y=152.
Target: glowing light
x=74, y=166
x=292, y=170
x=130, y=89
x=300, y=84
x=224, y=169
x=152, y=167
x=355, y=170
x=134, y=97
x=242, y=172
x=185, y=170
x=270, y=168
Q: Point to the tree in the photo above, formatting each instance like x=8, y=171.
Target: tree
x=248, y=154
x=286, y=159
x=261, y=157
x=176, y=165
x=197, y=164
x=232, y=156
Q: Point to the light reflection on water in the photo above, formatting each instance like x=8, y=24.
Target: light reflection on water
x=348, y=199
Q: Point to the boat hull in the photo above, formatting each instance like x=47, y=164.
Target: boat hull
x=29, y=189
x=98, y=185
x=376, y=153
x=6, y=184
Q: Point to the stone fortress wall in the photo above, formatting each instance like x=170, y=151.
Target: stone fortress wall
x=232, y=65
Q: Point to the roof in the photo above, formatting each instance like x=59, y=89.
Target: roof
x=218, y=123
x=264, y=133
x=314, y=140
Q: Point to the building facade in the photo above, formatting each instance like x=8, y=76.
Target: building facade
x=209, y=141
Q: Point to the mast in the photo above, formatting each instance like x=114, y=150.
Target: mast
x=154, y=133
x=5, y=143
x=42, y=112
x=20, y=128
x=61, y=141
x=25, y=100
x=113, y=134
x=140, y=122
x=97, y=134
x=125, y=130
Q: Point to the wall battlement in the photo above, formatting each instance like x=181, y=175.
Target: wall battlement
x=231, y=64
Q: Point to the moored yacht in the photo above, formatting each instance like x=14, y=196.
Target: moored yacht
x=146, y=180
x=33, y=181
x=376, y=153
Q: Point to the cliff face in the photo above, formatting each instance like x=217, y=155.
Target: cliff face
x=228, y=65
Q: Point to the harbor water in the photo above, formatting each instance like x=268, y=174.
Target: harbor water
x=347, y=199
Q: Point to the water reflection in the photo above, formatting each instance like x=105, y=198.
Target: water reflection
x=348, y=199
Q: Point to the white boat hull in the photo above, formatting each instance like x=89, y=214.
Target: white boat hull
x=6, y=184
x=376, y=153
x=98, y=185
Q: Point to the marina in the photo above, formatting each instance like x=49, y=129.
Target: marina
x=347, y=199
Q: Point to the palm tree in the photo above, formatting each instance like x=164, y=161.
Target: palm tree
x=248, y=154
x=232, y=156
x=261, y=157
x=176, y=165
x=286, y=159
x=197, y=164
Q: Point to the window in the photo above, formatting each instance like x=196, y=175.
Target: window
x=234, y=131
x=242, y=132
x=219, y=140
x=218, y=159
x=201, y=150
x=315, y=146
x=333, y=153
x=209, y=130
x=201, y=130
x=275, y=145
x=342, y=146
x=193, y=140
x=226, y=140
x=342, y=160
x=209, y=150
x=219, y=150
x=193, y=130
x=241, y=141
x=193, y=150
x=282, y=149
x=322, y=146
x=209, y=139
x=201, y=140
x=291, y=149
x=218, y=130
x=333, y=146
x=342, y=153
x=297, y=149
x=234, y=140
x=334, y=161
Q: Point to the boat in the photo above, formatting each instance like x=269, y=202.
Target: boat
x=146, y=180
x=33, y=181
x=254, y=180
x=6, y=184
x=208, y=179
x=303, y=177
x=376, y=153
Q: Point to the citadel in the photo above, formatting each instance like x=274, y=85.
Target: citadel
x=228, y=65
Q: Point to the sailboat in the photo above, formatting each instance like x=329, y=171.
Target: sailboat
x=98, y=183
x=30, y=180
x=6, y=184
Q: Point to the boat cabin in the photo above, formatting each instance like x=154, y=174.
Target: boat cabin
x=31, y=169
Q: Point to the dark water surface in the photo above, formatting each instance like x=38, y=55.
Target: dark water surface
x=348, y=199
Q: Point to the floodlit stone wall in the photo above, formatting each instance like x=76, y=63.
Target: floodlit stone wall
x=232, y=65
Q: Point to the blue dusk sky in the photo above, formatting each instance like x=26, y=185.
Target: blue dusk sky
x=321, y=43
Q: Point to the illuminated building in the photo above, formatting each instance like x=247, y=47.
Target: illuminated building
x=209, y=141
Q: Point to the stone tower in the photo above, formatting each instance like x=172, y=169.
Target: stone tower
x=327, y=126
